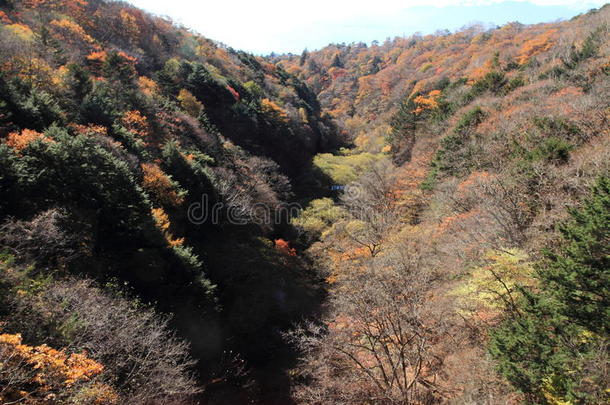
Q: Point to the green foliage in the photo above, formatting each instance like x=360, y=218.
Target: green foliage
x=75, y=171
x=26, y=106
x=9, y=177
x=118, y=67
x=404, y=124
x=192, y=174
x=579, y=274
x=553, y=150
x=100, y=106
x=40, y=110
x=337, y=62
x=254, y=89
x=79, y=82
x=545, y=347
x=454, y=154
x=493, y=82
x=589, y=48
x=557, y=126
x=515, y=83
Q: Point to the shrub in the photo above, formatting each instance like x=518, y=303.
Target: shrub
x=553, y=150
x=493, y=82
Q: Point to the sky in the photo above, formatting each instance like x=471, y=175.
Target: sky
x=282, y=26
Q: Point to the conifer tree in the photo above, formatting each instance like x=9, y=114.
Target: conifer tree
x=544, y=347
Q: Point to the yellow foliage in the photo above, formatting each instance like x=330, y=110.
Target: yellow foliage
x=22, y=31
x=550, y=393
x=345, y=169
x=492, y=285
x=130, y=24
x=189, y=103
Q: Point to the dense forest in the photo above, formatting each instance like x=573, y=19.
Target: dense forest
x=423, y=221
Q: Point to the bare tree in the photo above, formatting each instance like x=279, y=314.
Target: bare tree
x=42, y=239
x=144, y=360
x=377, y=343
x=371, y=202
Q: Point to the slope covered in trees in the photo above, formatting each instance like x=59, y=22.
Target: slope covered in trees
x=452, y=246
x=455, y=272
x=134, y=155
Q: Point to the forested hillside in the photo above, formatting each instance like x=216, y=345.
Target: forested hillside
x=452, y=246
x=134, y=154
x=467, y=259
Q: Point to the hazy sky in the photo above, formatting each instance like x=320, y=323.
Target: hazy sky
x=290, y=26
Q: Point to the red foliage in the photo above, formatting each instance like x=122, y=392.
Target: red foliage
x=284, y=247
x=4, y=18
x=234, y=93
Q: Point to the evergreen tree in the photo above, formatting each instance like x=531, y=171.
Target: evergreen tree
x=543, y=349
x=579, y=276
x=304, y=57
x=337, y=62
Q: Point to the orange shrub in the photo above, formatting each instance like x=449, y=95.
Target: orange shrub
x=427, y=103
x=135, y=122
x=4, y=18
x=20, y=140
x=163, y=224
x=70, y=32
x=148, y=86
x=160, y=185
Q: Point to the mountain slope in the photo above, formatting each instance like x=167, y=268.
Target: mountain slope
x=441, y=254
x=139, y=154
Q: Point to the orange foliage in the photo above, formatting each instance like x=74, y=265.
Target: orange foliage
x=473, y=180
x=70, y=31
x=135, y=122
x=427, y=103
x=337, y=73
x=89, y=129
x=451, y=223
x=159, y=184
x=284, y=247
x=148, y=86
x=536, y=46
x=163, y=224
x=52, y=371
x=20, y=140
x=272, y=109
x=96, y=60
